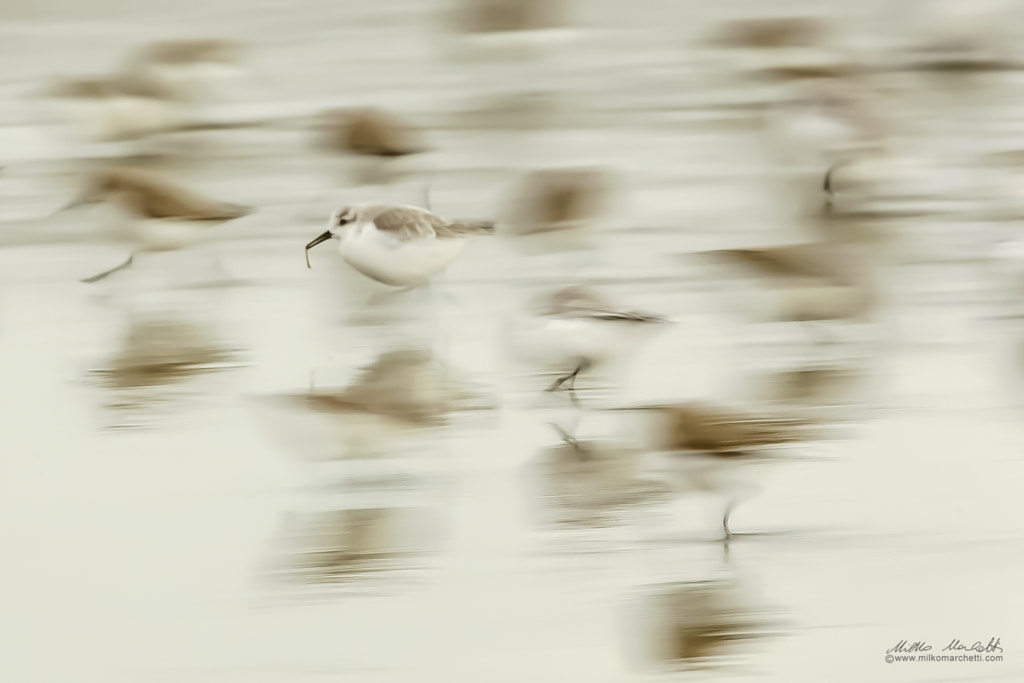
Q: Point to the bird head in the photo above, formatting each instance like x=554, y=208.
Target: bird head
x=336, y=226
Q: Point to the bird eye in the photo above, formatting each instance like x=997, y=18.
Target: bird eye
x=343, y=218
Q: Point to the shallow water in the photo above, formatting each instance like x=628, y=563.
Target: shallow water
x=135, y=541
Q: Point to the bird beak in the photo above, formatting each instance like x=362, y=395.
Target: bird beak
x=323, y=237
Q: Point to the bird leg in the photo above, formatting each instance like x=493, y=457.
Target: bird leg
x=107, y=273
x=570, y=380
x=725, y=523
x=568, y=439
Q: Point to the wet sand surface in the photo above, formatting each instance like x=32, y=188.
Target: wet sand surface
x=136, y=523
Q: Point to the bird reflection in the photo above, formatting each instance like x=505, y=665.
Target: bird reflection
x=350, y=543
x=697, y=624
x=402, y=395
x=591, y=482
x=159, y=352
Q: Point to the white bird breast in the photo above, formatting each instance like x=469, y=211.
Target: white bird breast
x=557, y=342
x=156, y=235
x=397, y=263
x=200, y=80
x=120, y=117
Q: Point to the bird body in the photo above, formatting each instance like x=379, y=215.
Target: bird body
x=703, y=448
x=154, y=214
x=190, y=70
x=553, y=207
x=116, y=108
x=808, y=282
x=575, y=330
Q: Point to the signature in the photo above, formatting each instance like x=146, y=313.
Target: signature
x=992, y=646
x=955, y=645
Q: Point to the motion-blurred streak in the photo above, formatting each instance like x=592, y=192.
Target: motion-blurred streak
x=392, y=403
x=353, y=543
x=158, y=356
x=155, y=91
x=810, y=283
x=191, y=71
x=589, y=483
x=838, y=144
x=577, y=330
x=508, y=29
x=371, y=146
x=702, y=447
x=117, y=108
x=823, y=385
x=555, y=210
x=153, y=214
x=781, y=48
x=509, y=50
x=960, y=33
x=696, y=624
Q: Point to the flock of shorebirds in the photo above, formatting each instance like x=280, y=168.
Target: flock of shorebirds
x=830, y=129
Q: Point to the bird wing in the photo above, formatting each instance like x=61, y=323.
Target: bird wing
x=577, y=302
x=709, y=428
x=378, y=133
x=798, y=260
x=407, y=223
x=157, y=198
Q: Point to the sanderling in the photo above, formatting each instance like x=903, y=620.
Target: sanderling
x=374, y=146
x=962, y=33
x=781, y=47
x=575, y=330
x=398, y=246
x=553, y=208
x=156, y=215
x=116, y=108
x=511, y=28
x=831, y=128
x=704, y=448
x=810, y=282
x=192, y=70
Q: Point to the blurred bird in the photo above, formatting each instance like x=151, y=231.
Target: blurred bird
x=154, y=214
x=808, y=283
x=510, y=49
x=117, y=108
x=701, y=447
x=190, y=70
x=830, y=133
x=381, y=143
x=509, y=28
x=403, y=393
x=781, y=47
x=576, y=330
x=962, y=32
x=553, y=208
